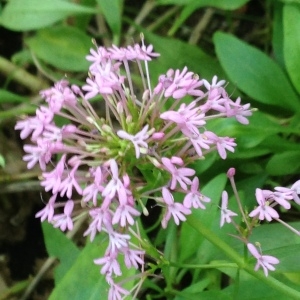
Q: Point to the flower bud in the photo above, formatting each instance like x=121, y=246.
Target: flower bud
x=231, y=172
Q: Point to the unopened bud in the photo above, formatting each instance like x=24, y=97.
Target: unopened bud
x=146, y=95
x=128, y=119
x=177, y=161
x=120, y=108
x=231, y=172
x=157, y=136
x=106, y=128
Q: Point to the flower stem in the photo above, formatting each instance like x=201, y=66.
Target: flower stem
x=18, y=74
x=233, y=255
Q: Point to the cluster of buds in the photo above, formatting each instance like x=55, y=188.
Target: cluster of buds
x=265, y=211
x=139, y=149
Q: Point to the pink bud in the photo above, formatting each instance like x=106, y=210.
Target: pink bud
x=231, y=172
x=157, y=136
x=177, y=161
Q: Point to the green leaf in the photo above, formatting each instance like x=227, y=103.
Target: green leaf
x=58, y=245
x=24, y=15
x=278, y=241
x=189, y=236
x=207, y=295
x=83, y=279
x=278, y=35
x=291, y=25
x=284, y=163
x=9, y=97
x=112, y=11
x=253, y=289
x=191, y=6
x=255, y=73
x=222, y=4
x=61, y=46
x=184, y=55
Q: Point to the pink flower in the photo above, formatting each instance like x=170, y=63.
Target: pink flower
x=64, y=221
x=223, y=143
x=105, y=80
x=176, y=210
x=56, y=134
x=214, y=84
x=123, y=215
x=70, y=182
x=115, y=185
x=264, y=261
x=264, y=210
x=194, y=198
x=215, y=101
x=226, y=214
x=116, y=292
x=117, y=240
x=97, y=56
x=52, y=180
x=92, y=191
x=200, y=141
x=283, y=196
x=240, y=112
x=35, y=125
x=59, y=95
x=183, y=83
x=188, y=118
x=48, y=211
x=101, y=217
x=40, y=153
x=179, y=175
x=133, y=257
x=110, y=264
x=138, y=139
x=296, y=189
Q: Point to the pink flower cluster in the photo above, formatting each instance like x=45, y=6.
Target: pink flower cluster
x=265, y=210
x=106, y=162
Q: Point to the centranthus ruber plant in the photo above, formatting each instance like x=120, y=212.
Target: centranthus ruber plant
x=109, y=166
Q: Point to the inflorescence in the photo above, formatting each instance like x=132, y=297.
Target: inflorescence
x=109, y=164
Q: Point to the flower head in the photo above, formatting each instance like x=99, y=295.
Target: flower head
x=226, y=214
x=113, y=164
x=264, y=210
x=264, y=261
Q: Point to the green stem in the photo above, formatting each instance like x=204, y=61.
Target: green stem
x=18, y=74
x=207, y=266
x=16, y=111
x=233, y=255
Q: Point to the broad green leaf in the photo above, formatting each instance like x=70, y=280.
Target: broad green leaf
x=58, y=245
x=83, y=279
x=279, y=241
x=207, y=295
x=222, y=4
x=255, y=73
x=190, y=6
x=198, y=287
x=112, y=11
x=24, y=15
x=61, y=46
x=291, y=25
x=189, y=236
x=253, y=289
x=284, y=163
x=278, y=35
x=9, y=97
x=177, y=54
